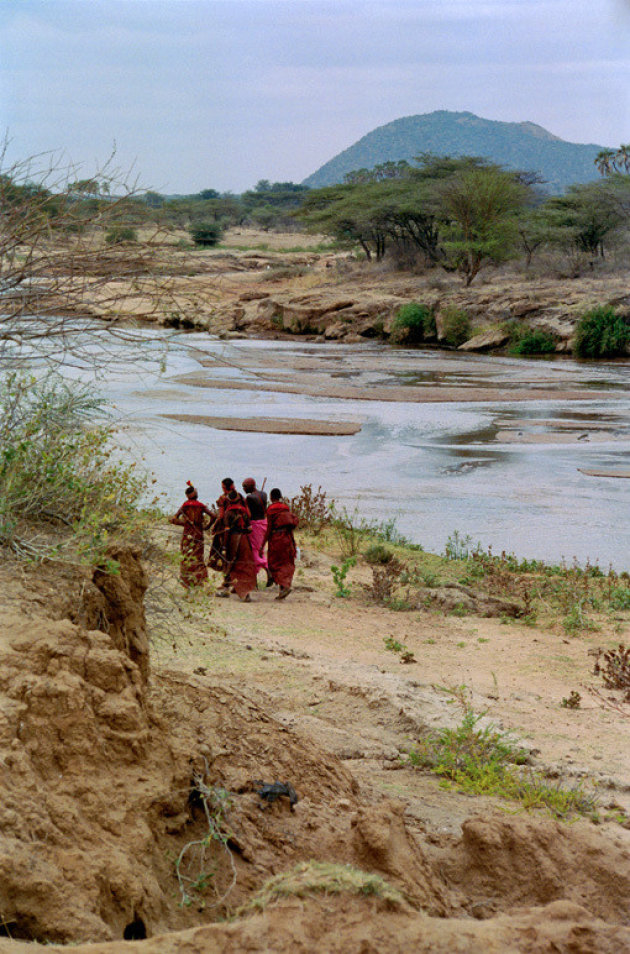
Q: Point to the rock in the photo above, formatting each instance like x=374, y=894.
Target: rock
x=485, y=341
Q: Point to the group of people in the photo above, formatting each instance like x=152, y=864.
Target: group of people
x=241, y=527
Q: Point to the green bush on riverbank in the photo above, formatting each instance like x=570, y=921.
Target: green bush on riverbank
x=601, y=333
x=61, y=486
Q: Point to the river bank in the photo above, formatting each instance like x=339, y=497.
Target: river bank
x=257, y=285
x=107, y=766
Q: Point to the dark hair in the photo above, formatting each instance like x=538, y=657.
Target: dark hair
x=275, y=494
x=249, y=483
x=190, y=490
x=227, y=482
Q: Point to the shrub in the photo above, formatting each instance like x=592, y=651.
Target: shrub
x=57, y=467
x=377, y=553
x=413, y=323
x=121, y=235
x=601, y=333
x=312, y=509
x=456, y=326
x=206, y=234
x=534, y=342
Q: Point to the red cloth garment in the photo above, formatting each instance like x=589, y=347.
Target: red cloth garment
x=241, y=569
x=190, y=516
x=281, y=548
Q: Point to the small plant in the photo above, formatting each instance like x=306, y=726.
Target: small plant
x=576, y=619
x=406, y=655
x=378, y=553
x=619, y=598
x=385, y=581
x=484, y=761
x=601, y=333
x=312, y=509
x=339, y=576
x=613, y=665
x=572, y=701
x=121, y=235
x=194, y=874
x=413, y=323
x=456, y=326
x=457, y=546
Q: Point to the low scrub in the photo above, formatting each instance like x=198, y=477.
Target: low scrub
x=533, y=341
x=601, y=333
x=59, y=472
x=456, y=326
x=206, y=234
x=413, y=323
x=484, y=761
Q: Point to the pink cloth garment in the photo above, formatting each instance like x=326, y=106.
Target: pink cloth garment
x=256, y=537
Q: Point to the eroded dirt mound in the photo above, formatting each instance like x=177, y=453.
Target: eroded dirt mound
x=130, y=806
x=348, y=925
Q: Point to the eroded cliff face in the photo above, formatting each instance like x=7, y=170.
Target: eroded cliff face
x=129, y=809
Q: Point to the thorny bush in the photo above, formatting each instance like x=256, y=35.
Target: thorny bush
x=312, y=509
x=613, y=665
x=58, y=469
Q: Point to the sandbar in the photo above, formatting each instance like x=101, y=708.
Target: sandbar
x=272, y=425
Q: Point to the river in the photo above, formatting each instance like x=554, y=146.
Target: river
x=504, y=473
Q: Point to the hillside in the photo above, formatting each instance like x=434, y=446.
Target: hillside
x=516, y=145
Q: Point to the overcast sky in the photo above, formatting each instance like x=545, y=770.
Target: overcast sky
x=222, y=93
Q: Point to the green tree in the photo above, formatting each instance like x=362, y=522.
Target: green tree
x=480, y=208
x=206, y=234
x=581, y=220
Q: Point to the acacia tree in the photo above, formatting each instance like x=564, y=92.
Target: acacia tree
x=59, y=278
x=479, y=208
x=580, y=221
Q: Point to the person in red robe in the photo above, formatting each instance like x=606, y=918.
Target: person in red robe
x=216, y=557
x=192, y=517
x=240, y=573
x=281, y=548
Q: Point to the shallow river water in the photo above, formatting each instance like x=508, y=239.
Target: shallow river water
x=504, y=473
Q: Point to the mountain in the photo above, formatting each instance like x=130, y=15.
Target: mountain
x=523, y=146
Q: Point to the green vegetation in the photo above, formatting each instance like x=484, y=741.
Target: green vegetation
x=121, y=235
x=206, y=234
x=483, y=761
x=533, y=341
x=377, y=553
x=58, y=469
x=194, y=869
x=601, y=333
x=339, y=574
x=456, y=326
x=394, y=646
x=413, y=323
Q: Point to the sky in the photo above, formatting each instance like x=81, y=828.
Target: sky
x=218, y=94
